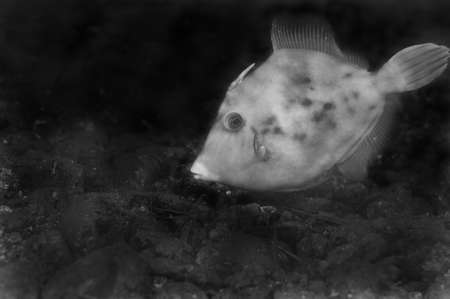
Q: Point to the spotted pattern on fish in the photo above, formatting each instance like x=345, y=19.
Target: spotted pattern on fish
x=304, y=101
x=269, y=121
x=325, y=117
x=270, y=125
x=331, y=124
x=329, y=106
x=344, y=100
x=347, y=75
x=291, y=101
x=277, y=130
x=351, y=110
x=326, y=122
x=297, y=86
x=300, y=79
x=300, y=137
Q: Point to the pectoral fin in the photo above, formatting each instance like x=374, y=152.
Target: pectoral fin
x=354, y=165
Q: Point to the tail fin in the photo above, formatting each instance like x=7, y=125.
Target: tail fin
x=412, y=68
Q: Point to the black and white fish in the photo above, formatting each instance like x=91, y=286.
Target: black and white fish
x=309, y=110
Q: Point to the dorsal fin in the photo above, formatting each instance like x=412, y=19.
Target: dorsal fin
x=307, y=32
x=354, y=164
x=356, y=60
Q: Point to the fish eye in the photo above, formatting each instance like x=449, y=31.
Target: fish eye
x=233, y=121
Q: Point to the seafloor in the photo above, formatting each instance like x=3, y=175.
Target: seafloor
x=104, y=106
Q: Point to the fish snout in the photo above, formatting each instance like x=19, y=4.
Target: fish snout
x=201, y=172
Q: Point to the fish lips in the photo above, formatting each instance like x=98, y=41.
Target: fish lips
x=201, y=172
x=260, y=150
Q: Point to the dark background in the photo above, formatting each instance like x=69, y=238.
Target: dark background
x=162, y=67
x=169, y=62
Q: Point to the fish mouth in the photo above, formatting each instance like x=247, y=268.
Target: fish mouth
x=201, y=172
x=260, y=150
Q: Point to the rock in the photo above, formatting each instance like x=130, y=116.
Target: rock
x=139, y=168
x=180, y=290
x=440, y=288
x=15, y=220
x=83, y=144
x=224, y=294
x=415, y=295
x=394, y=202
x=358, y=276
x=111, y=272
x=78, y=223
x=19, y=280
x=6, y=178
x=317, y=286
x=164, y=203
x=68, y=173
x=171, y=247
x=262, y=290
x=33, y=165
x=83, y=140
x=295, y=292
x=367, y=294
x=438, y=260
x=89, y=221
x=173, y=268
x=45, y=204
x=312, y=245
x=52, y=247
x=239, y=259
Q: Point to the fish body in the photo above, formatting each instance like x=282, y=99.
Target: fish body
x=308, y=111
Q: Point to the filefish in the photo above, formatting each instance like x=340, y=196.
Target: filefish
x=309, y=111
